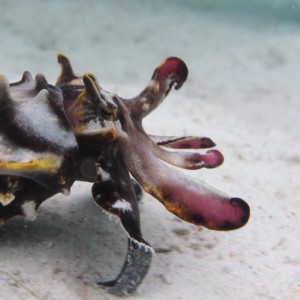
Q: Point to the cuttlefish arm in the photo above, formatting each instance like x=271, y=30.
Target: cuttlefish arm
x=114, y=193
x=191, y=200
x=172, y=72
x=182, y=142
x=189, y=160
x=186, y=160
x=135, y=268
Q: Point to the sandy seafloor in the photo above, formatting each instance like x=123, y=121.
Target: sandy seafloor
x=243, y=91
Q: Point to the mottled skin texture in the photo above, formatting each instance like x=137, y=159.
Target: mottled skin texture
x=51, y=136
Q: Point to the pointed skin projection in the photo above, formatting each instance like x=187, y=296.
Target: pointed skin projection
x=51, y=136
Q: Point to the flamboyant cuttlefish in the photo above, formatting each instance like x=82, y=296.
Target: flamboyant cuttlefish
x=53, y=135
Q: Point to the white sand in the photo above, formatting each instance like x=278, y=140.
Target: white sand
x=243, y=91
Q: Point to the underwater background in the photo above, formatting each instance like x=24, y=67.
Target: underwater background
x=242, y=91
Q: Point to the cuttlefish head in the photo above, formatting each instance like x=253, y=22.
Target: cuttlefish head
x=109, y=130
x=142, y=156
x=134, y=153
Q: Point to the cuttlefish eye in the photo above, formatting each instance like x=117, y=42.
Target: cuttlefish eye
x=100, y=101
x=107, y=111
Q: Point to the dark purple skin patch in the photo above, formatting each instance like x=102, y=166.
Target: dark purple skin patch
x=52, y=136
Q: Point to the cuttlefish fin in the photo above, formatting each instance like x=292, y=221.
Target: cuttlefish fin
x=39, y=167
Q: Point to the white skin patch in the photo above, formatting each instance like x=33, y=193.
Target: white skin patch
x=29, y=210
x=142, y=245
x=66, y=191
x=122, y=205
x=145, y=106
x=7, y=198
x=44, y=124
x=104, y=175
